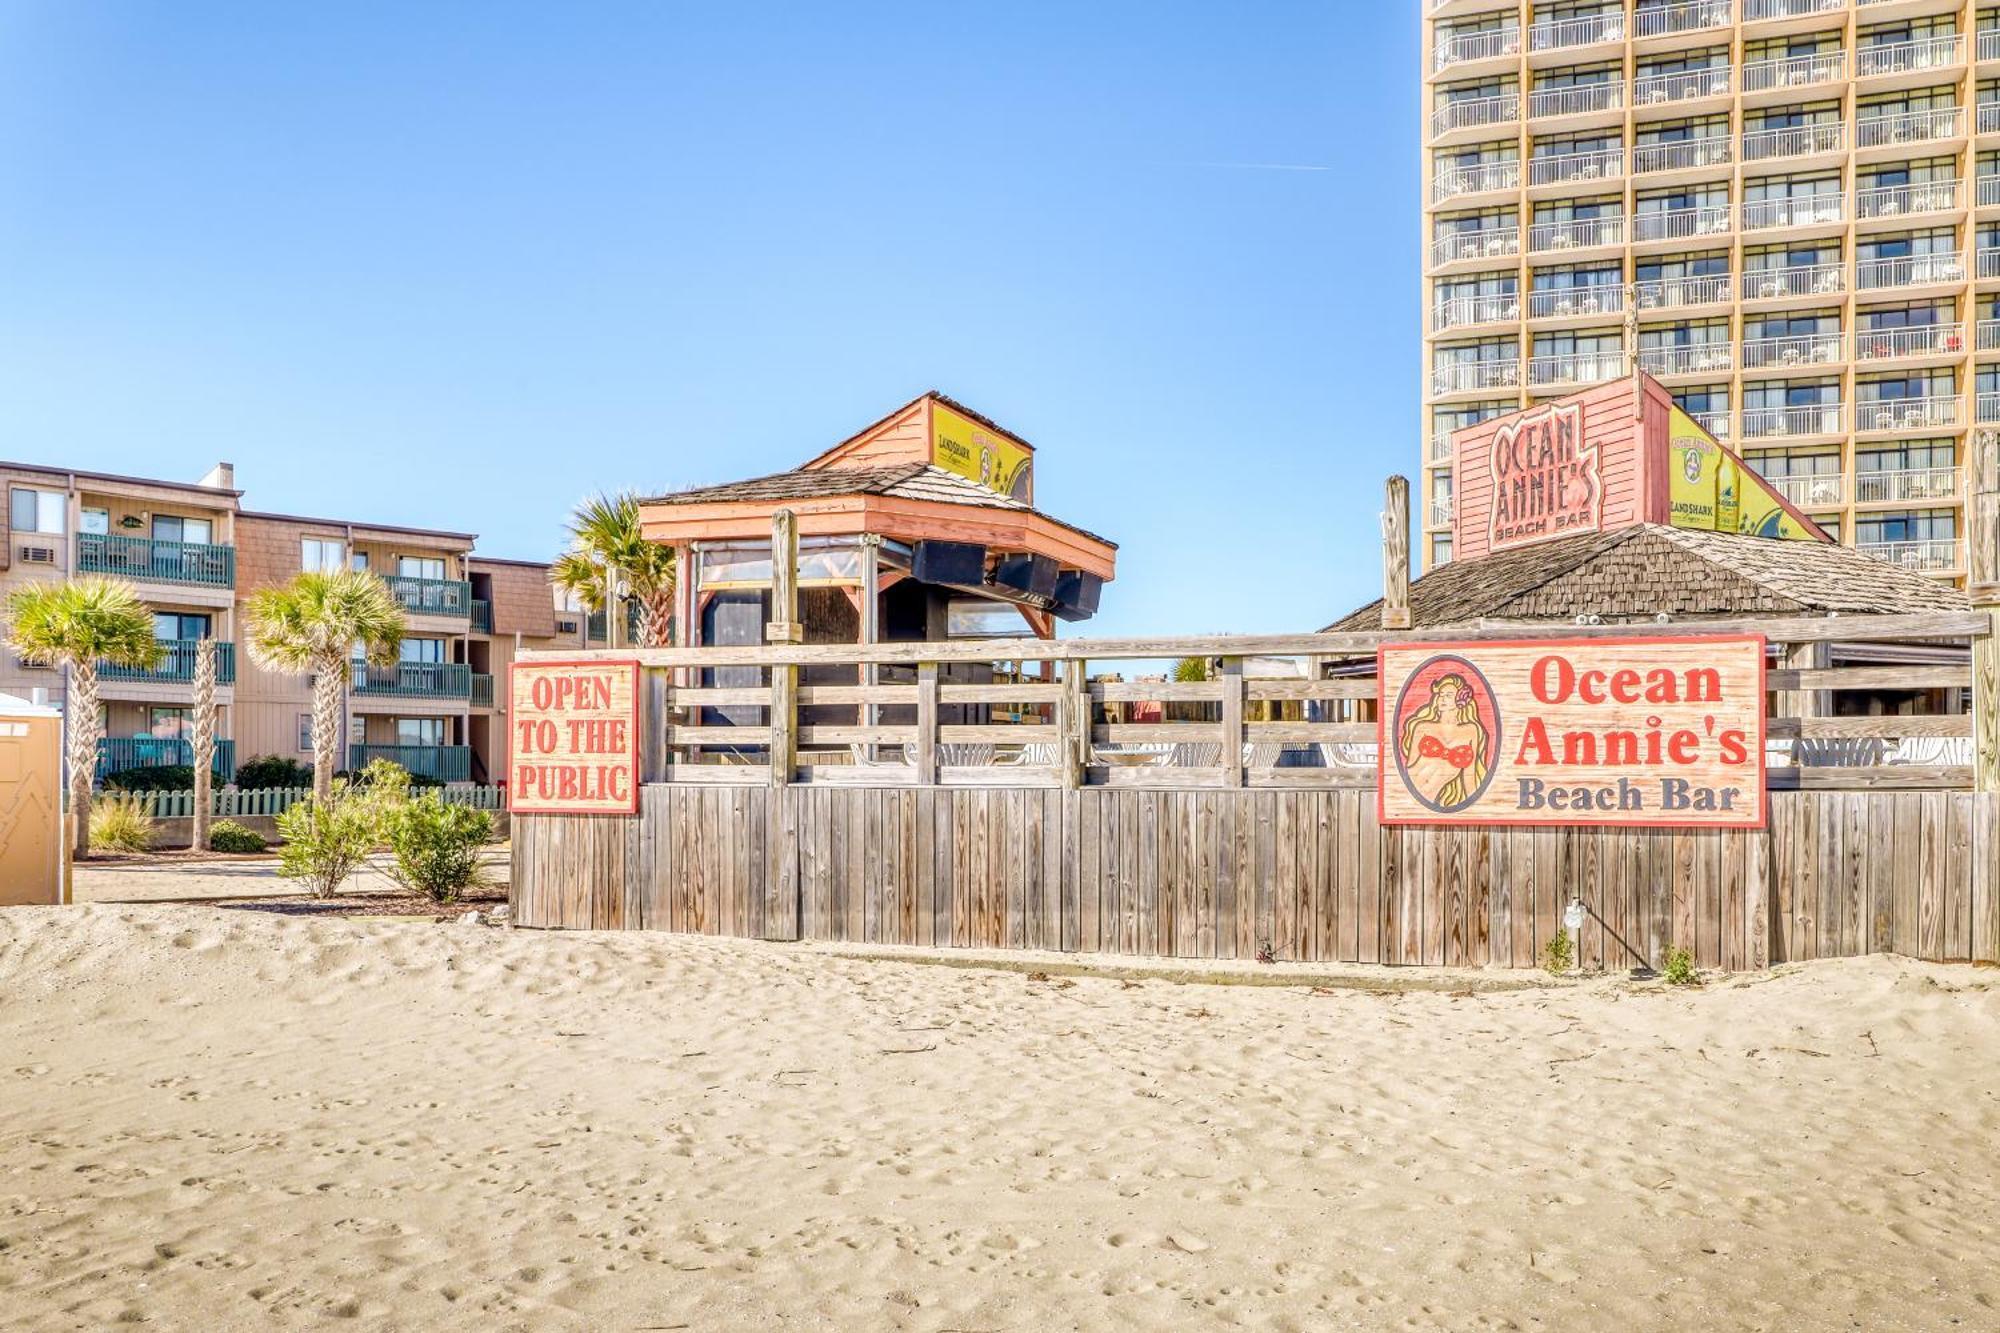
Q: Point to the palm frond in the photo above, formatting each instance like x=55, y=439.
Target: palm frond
x=313, y=622
x=80, y=620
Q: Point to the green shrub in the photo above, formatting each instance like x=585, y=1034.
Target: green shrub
x=152, y=777
x=325, y=841
x=1678, y=969
x=120, y=824
x=1558, y=955
x=271, y=770
x=230, y=836
x=437, y=845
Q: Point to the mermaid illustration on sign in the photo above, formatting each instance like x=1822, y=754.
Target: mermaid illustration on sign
x=1443, y=746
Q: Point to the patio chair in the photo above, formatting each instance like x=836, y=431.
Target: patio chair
x=1262, y=754
x=1196, y=754
x=1348, y=754
x=1035, y=754
x=1840, y=751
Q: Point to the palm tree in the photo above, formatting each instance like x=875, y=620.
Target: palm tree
x=203, y=739
x=609, y=558
x=311, y=626
x=77, y=624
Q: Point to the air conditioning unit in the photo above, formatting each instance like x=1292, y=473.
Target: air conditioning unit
x=38, y=555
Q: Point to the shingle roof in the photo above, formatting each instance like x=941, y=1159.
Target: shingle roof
x=1641, y=571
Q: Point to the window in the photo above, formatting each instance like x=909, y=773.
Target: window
x=322, y=553
x=359, y=560
x=38, y=511
x=95, y=521
x=1440, y=549
x=420, y=731
x=169, y=723
x=174, y=528
x=305, y=732
x=170, y=626
x=419, y=567
x=423, y=650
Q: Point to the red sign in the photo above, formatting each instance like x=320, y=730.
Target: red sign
x=1659, y=731
x=1546, y=479
x=573, y=738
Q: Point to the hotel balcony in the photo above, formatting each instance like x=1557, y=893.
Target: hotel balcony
x=1678, y=224
x=1476, y=178
x=1580, y=99
x=1715, y=423
x=1987, y=261
x=1487, y=243
x=482, y=690
x=1790, y=72
x=1687, y=359
x=1797, y=210
x=1915, y=341
x=1681, y=86
x=1986, y=118
x=1565, y=369
x=1684, y=16
x=1777, y=284
x=1461, y=311
x=1440, y=513
x=1986, y=192
x=1440, y=450
x=1681, y=154
x=1890, y=201
x=1794, y=141
x=1588, y=30
x=1988, y=46
x=1467, y=48
x=411, y=680
x=1929, y=557
x=1570, y=302
x=1560, y=168
x=1474, y=112
x=1906, y=487
x=445, y=763
x=192, y=563
x=1924, y=53
x=1910, y=127
x=482, y=616
x=1674, y=293
x=117, y=754
x=1799, y=350
x=1758, y=11
x=1986, y=408
x=1474, y=377
x=1986, y=335
x=1776, y=423
x=177, y=668
x=432, y=597
x=1909, y=271
x=1578, y=234
x=1824, y=491
x=1907, y=414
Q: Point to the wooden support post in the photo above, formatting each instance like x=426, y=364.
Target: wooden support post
x=1396, y=556
x=653, y=696
x=927, y=723
x=1073, y=724
x=1232, y=721
x=783, y=627
x=1804, y=657
x=1982, y=510
x=871, y=615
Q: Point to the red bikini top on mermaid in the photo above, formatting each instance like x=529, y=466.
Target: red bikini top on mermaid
x=1458, y=756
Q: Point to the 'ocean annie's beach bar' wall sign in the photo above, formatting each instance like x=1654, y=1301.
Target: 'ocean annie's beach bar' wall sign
x=573, y=734
x=1655, y=731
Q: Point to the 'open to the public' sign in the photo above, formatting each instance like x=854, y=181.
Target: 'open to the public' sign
x=1662, y=731
x=573, y=738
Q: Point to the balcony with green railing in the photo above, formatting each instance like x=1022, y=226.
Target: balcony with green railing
x=118, y=754
x=177, y=667
x=482, y=615
x=482, y=690
x=411, y=680
x=151, y=561
x=445, y=763
x=432, y=597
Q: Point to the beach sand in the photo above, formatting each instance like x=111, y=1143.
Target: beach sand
x=215, y=1119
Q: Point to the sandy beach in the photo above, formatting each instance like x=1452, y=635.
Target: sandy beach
x=215, y=1119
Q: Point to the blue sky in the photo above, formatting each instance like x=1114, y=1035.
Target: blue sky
x=508, y=255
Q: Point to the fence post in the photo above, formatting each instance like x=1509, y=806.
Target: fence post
x=652, y=724
x=927, y=723
x=1073, y=723
x=1232, y=721
x=783, y=627
x=1396, y=556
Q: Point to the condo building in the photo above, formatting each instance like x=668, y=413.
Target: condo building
x=195, y=554
x=1787, y=210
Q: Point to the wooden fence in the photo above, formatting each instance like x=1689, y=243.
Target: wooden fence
x=1003, y=795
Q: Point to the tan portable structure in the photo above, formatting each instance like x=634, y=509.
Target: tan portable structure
x=31, y=841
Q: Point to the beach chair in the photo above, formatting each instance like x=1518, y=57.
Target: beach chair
x=1262, y=754
x=1196, y=754
x=1146, y=754
x=1348, y=754
x=1935, y=751
x=1840, y=751
x=1035, y=754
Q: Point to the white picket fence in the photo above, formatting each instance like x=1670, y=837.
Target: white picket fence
x=230, y=803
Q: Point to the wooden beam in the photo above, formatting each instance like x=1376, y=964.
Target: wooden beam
x=1396, y=555
x=1232, y=721
x=1982, y=510
x=783, y=627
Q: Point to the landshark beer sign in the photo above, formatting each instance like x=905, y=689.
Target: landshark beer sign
x=1658, y=731
x=573, y=738
x=1547, y=480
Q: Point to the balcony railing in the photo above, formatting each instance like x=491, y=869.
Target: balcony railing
x=1794, y=71
x=432, y=597
x=1757, y=10
x=446, y=763
x=412, y=680
x=1440, y=449
x=1715, y=423
x=1575, y=368
x=1986, y=118
x=118, y=754
x=1467, y=376
x=1914, y=340
x=1988, y=45
x=1939, y=52
x=1680, y=223
x=1598, y=164
x=1888, y=201
x=1680, y=86
x=1794, y=210
x=1805, y=349
x=1472, y=112
x=1987, y=260
x=1794, y=141
x=1577, y=99
x=1440, y=512
x=1908, y=271
x=1487, y=243
x=1602, y=299
x=1938, y=557
x=482, y=615
x=1905, y=487
x=1986, y=335
x=156, y=561
x=177, y=668
x=1821, y=491
x=1686, y=16
x=1461, y=48
x=1771, y=284
x=1927, y=413
x=1986, y=408
x=1672, y=293
x=1576, y=233
x=1766, y=423
x=1906, y=127
x=1687, y=359
x=1587, y=30
x=1986, y=192
x=1458, y=311
x=482, y=690
x=1681, y=154
x=1476, y=178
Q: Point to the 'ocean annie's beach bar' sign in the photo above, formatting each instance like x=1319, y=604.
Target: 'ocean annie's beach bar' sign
x=1655, y=731
x=573, y=737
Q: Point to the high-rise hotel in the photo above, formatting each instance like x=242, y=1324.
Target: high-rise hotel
x=1797, y=202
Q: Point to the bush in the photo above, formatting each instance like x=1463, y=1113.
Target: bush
x=436, y=845
x=230, y=836
x=120, y=824
x=1558, y=955
x=273, y=771
x=152, y=777
x=1678, y=969
x=325, y=841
